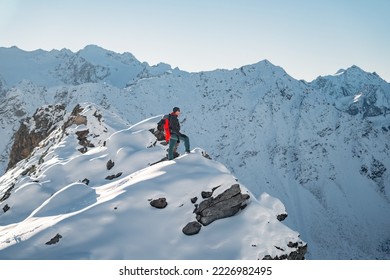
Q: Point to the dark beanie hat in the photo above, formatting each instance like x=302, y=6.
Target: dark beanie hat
x=175, y=109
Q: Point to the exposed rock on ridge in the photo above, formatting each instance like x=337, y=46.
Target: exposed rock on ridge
x=33, y=130
x=226, y=204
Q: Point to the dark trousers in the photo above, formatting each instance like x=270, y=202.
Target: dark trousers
x=173, y=141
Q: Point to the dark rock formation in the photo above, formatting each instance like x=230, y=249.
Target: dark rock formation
x=206, y=194
x=192, y=228
x=54, y=240
x=6, y=208
x=83, y=140
x=7, y=193
x=44, y=121
x=110, y=164
x=376, y=172
x=224, y=205
x=281, y=217
x=110, y=177
x=299, y=254
x=159, y=203
x=206, y=155
x=75, y=118
x=85, y=181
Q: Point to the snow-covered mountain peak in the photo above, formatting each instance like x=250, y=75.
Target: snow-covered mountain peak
x=356, y=91
x=266, y=67
x=99, y=56
x=91, y=48
x=353, y=75
x=340, y=71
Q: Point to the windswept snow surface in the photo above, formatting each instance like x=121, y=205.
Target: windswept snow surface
x=113, y=219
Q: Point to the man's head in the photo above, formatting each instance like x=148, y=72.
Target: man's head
x=176, y=110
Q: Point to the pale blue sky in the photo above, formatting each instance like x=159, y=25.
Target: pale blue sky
x=307, y=38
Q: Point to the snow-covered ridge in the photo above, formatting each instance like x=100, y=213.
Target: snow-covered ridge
x=62, y=203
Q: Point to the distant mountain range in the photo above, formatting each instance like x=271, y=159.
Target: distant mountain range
x=320, y=147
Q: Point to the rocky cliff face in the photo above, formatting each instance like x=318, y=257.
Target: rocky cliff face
x=33, y=130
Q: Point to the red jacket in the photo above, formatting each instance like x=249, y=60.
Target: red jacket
x=167, y=130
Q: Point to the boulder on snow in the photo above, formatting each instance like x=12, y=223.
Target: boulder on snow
x=110, y=164
x=110, y=177
x=54, y=240
x=159, y=203
x=224, y=205
x=192, y=228
x=85, y=181
x=281, y=217
x=6, y=208
x=206, y=155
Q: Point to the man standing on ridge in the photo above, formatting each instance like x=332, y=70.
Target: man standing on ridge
x=175, y=135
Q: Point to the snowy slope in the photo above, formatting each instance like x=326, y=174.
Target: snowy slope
x=320, y=147
x=113, y=219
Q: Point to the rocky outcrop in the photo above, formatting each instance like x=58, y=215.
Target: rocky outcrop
x=38, y=127
x=376, y=172
x=82, y=136
x=54, y=240
x=228, y=204
x=281, y=217
x=110, y=164
x=225, y=205
x=113, y=176
x=192, y=228
x=159, y=203
x=7, y=193
x=298, y=254
x=33, y=130
x=75, y=118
